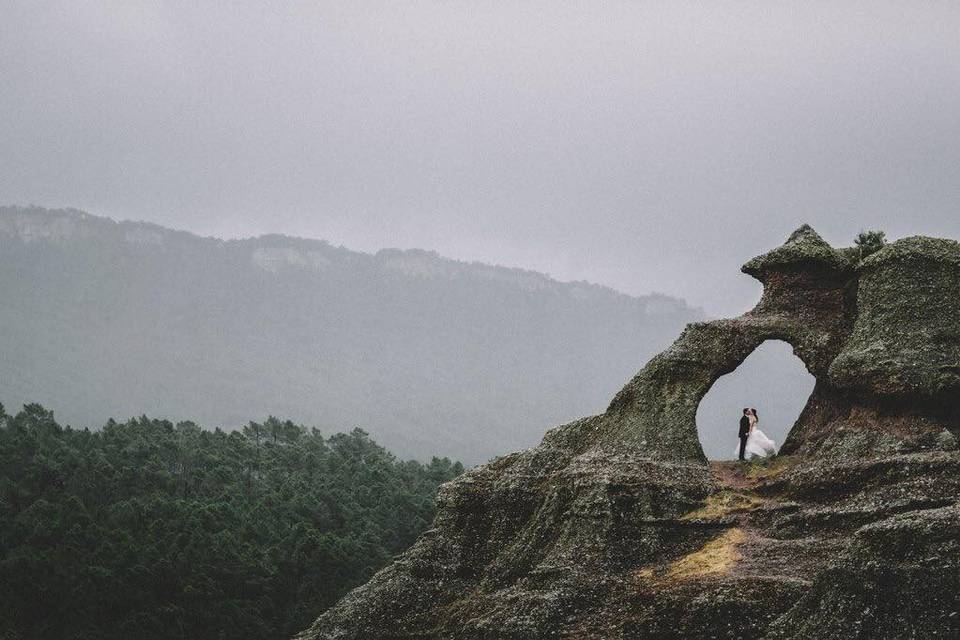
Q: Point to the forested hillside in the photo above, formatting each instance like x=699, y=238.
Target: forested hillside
x=103, y=319
x=151, y=530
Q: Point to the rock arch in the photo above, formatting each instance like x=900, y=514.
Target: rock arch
x=808, y=302
x=771, y=379
x=569, y=535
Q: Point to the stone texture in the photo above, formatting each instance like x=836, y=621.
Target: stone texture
x=616, y=527
x=906, y=339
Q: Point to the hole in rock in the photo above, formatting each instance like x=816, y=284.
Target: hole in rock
x=772, y=380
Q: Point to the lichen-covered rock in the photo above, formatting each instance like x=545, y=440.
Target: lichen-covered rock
x=616, y=527
x=898, y=578
x=804, y=250
x=906, y=338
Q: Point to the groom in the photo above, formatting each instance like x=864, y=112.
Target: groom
x=744, y=433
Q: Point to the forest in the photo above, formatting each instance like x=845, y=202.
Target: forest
x=149, y=529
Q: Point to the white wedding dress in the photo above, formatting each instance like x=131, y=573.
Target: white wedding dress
x=758, y=445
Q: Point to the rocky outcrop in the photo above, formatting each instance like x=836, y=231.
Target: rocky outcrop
x=615, y=526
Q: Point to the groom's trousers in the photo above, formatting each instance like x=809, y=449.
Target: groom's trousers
x=743, y=446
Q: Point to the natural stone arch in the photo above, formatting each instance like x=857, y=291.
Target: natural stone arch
x=809, y=302
x=569, y=535
x=772, y=379
x=657, y=411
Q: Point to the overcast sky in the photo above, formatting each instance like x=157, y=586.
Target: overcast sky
x=648, y=146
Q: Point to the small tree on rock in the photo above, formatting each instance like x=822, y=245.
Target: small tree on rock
x=870, y=242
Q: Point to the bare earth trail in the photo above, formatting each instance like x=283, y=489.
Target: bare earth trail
x=762, y=550
x=733, y=474
x=747, y=566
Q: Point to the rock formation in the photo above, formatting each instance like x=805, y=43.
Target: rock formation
x=615, y=526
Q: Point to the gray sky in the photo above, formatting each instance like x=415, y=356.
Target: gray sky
x=644, y=145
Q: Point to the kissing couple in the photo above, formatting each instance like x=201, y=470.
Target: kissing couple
x=753, y=442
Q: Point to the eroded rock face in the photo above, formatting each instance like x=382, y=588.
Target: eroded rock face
x=616, y=527
x=906, y=339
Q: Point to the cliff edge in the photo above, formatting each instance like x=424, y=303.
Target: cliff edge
x=615, y=526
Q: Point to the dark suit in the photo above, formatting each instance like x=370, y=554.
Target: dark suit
x=744, y=434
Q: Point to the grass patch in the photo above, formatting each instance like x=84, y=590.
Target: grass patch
x=644, y=574
x=766, y=468
x=717, y=556
x=724, y=503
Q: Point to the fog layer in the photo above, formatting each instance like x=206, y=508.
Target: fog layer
x=646, y=146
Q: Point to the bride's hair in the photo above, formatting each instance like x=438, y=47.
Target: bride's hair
x=755, y=414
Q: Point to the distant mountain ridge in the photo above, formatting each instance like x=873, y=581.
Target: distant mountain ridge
x=432, y=355
x=272, y=252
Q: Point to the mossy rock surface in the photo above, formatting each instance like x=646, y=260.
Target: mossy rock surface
x=615, y=526
x=906, y=338
x=804, y=249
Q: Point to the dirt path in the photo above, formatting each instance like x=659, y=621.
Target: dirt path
x=760, y=552
x=733, y=474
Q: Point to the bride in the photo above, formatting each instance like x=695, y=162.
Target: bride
x=758, y=444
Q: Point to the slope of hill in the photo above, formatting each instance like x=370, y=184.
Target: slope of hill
x=432, y=356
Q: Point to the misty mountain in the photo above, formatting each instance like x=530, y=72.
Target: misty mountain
x=432, y=356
